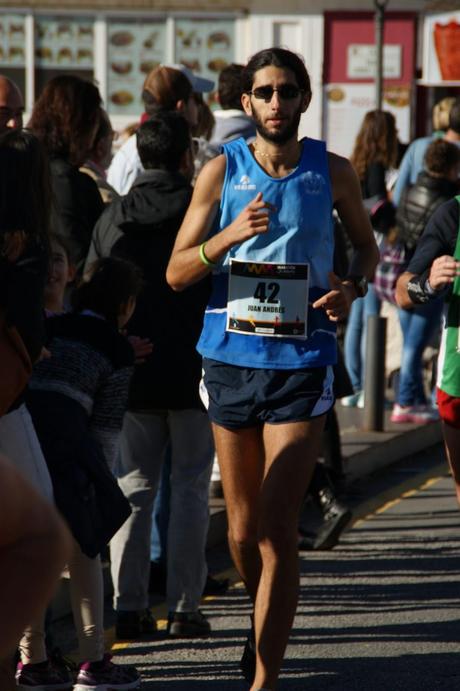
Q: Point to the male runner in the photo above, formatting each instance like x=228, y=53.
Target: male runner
x=261, y=219
x=434, y=271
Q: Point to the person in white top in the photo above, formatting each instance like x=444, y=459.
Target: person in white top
x=167, y=87
x=231, y=121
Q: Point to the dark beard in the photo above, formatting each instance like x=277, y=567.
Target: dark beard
x=278, y=137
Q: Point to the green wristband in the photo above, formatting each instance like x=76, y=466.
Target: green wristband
x=203, y=256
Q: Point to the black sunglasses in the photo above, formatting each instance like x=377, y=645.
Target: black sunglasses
x=286, y=92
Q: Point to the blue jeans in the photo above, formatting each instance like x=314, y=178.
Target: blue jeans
x=160, y=516
x=355, y=336
x=417, y=327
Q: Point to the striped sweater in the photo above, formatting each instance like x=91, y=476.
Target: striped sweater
x=91, y=363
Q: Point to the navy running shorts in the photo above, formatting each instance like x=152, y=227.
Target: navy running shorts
x=245, y=397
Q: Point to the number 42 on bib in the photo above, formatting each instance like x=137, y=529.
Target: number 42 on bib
x=266, y=299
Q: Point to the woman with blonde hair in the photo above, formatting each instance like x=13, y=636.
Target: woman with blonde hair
x=441, y=112
x=412, y=162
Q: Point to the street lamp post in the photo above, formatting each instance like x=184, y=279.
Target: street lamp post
x=379, y=21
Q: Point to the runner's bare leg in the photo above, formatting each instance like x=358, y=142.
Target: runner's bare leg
x=263, y=517
x=241, y=460
x=452, y=446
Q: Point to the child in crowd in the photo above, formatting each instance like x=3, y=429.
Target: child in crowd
x=62, y=273
x=77, y=399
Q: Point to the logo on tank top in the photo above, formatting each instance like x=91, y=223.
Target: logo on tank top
x=314, y=182
x=245, y=184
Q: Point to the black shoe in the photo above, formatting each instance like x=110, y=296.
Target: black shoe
x=215, y=586
x=134, y=624
x=336, y=517
x=188, y=624
x=61, y=662
x=248, y=659
x=157, y=579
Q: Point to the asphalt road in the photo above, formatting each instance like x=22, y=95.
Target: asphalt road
x=380, y=612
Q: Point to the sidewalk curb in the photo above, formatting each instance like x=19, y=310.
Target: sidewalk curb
x=366, y=452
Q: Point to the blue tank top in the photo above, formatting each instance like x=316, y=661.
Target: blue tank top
x=300, y=231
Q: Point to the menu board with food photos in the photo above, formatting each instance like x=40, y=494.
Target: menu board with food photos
x=134, y=49
x=12, y=38
x=206, y=46
x=64, y=42
x=347, y=104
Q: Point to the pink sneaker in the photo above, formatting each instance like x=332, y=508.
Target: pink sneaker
x=106, y=676
x=415, y=414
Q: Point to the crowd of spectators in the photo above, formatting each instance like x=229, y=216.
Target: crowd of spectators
x=111, y=388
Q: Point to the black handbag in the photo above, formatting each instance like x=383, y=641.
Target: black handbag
x=91, y=501
x=85, y=490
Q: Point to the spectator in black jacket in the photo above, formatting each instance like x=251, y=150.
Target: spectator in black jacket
x=66, y=118
x=433, y=273
x=435, y=185
x=164, y=405
x=25, y=203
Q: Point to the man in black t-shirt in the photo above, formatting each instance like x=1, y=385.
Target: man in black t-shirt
x=433, y=272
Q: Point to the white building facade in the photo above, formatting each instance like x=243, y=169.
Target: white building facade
x=117, y=43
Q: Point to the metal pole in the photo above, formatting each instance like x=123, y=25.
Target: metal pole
x=374, y=381
x=379, y=22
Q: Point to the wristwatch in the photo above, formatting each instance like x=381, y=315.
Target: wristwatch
x=360, y=284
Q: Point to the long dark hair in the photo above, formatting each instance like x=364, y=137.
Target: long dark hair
x=25, y=187
x=108, y=284
x=65, y=117
x=377, y=142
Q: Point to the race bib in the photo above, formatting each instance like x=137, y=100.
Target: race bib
x=268, y=299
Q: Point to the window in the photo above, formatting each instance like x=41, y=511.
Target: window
x=134, y=45
x=12, y=52
x=206, y=46
x=62, y=44
x=134, y=48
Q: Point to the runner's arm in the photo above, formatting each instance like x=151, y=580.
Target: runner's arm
x=347, y=199
x=419, y=288
x=185, y=265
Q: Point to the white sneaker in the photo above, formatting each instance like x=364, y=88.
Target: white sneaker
x=351, y=401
